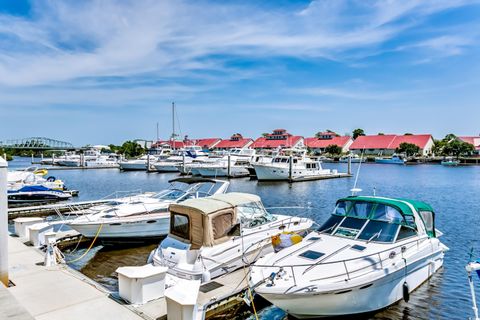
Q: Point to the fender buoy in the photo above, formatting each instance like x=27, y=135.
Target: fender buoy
x=51, y=179
x=406, y=293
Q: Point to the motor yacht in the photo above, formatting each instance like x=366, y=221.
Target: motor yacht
x=291, y=165
x=353, y=158
x=395, y=159
x=137, y=164
x=29, y=185
x=184, y=156
x=212, y=236
x=104, y=161
x=75, y=160
x=371, y=252
x=143, y=217
x=233, y=164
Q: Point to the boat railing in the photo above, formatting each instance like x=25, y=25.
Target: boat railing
x=375, y=261
x=122, y=194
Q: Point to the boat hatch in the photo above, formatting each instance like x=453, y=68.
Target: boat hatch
x=311, y=254
x=358, y=247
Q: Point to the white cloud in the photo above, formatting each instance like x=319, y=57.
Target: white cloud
x=75, y=39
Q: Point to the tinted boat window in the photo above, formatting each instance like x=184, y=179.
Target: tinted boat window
x=386, y=213
x=330, y=224
x=379, y=231
x=406, y=232
x=350, y=227
x=179, y=225
x=361, y=210
x=342, y=208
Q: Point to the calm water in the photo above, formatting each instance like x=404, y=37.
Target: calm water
x=453, y=192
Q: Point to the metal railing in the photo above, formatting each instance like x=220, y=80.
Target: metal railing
x=376, y=260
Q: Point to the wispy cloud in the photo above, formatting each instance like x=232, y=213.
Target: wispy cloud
x=69, y=40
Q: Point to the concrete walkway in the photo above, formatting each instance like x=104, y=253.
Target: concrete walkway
x=57, y=293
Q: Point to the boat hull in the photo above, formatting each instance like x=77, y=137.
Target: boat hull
x=368, y=297
x=271, y=173
x=149, y=227
x=235, y=171
x=125, y=166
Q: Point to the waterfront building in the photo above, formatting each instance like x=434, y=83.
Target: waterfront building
x=206, y=143
x=236, y=141
x=322, y=140
x=279, y=138
x=473, y=140
x=388, y=143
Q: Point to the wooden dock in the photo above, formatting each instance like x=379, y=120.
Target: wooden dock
x=60, y=292
x=51, y=209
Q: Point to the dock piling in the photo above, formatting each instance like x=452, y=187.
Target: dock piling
x=148, y=162
x=50, y=241
x=32, y=158
x=290, y=168
x=349, y=167
x=3, y=223
x=229, y=169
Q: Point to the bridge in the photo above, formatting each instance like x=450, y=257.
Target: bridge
x=36, y=143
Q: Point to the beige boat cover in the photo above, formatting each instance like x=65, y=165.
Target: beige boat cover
x=211, y=219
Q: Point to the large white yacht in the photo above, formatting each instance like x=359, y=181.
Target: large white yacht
x=137, y=164
x=212, y=236
x=104, y=161
x=369, y=254
x=292, y=164
x=74, y=160
x=236, y=162
x=142, y=217
x=183, y=156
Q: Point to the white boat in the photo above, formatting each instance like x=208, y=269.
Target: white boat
x=143, y=217
x=300, y=167
x=395, y=159
x=136, y=164
x=184, y=156
x=104, y=161
x=212, y=236
x=234, y=164
x=369, y=254
x=259, y=159
x=75, y=160
x=354, y=158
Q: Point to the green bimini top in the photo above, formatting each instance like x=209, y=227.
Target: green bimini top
x=399, y=203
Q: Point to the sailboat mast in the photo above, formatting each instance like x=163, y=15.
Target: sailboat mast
x=173, y=125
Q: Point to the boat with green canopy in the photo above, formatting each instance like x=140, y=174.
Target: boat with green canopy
x=370, y=253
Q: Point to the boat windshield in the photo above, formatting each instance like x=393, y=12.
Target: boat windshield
x=369, y=221
x=171, y=194
x=253, y=214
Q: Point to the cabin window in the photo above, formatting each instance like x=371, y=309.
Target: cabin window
x=379, y=231
x=361, y=210
x=387, y=213
x=350, y=227
x=295, y=160
x=284, y=160
x=330, y=225
x=253, y=214
x=429, y=222
x=221, y=225
x=342, y=208
x=406, y=232
x=180, y=225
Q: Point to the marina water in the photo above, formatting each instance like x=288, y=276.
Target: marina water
x=454, y=193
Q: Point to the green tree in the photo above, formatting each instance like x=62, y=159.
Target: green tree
x=409, y=149
x=458, y=148
x=357, y=132
x=131, y=149
x=333, y=149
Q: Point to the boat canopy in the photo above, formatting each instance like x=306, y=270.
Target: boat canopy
x=207, y=221
x=399, y=203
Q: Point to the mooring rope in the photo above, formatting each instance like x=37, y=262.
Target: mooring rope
x=90, y=247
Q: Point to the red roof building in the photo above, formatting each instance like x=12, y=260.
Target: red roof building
x=236, y=141
x=279, y=138
x=386, y=144
x=207, y=143
x=475, y=141
x=318, y=144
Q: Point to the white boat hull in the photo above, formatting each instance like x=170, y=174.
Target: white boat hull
x=269, y=173
x=235, y=171
x=166, y=168
x=150, y=226
x=367, y=297
x=126, y=166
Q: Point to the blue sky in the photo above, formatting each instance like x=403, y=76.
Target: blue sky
x=107, y=71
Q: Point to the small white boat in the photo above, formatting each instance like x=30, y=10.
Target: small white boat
x=183, y=156
x=369, y=254
x=450, y=162
x=234, y=165
x=353, y=158
x=295, y=166
x=395, y=159
x=137, y=164
x=104, y=161
x=143, y=217
x=212, y=236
